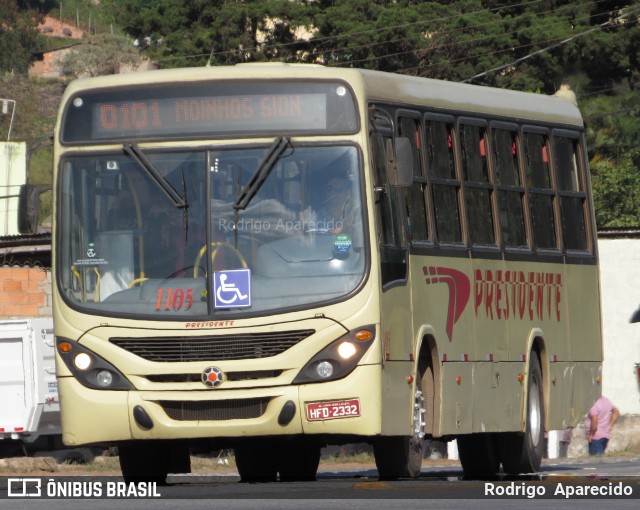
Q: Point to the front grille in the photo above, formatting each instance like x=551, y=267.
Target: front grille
x=215, y=410
x=212, y=348
x=229, y=376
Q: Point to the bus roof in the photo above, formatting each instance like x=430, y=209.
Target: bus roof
x=443, y=96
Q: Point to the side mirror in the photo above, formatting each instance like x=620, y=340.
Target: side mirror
x=400, y=163
x=29, y=207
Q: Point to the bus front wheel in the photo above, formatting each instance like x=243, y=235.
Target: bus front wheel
x=401, y=456
x=298, y=461
x=256, y=462
x=152, y=461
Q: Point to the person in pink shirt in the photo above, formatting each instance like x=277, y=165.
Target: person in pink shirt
x=598, y=423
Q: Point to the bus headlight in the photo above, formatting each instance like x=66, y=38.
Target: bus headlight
x=347, y=350
x=339, y=358
x=89, y=369
x=82, y=361
x=324, y=369
x=104, y=378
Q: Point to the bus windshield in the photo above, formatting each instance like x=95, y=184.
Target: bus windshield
x=164, y=233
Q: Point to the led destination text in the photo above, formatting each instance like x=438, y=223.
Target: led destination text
x=199, y=114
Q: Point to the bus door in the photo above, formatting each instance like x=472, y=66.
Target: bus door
x=396, y=306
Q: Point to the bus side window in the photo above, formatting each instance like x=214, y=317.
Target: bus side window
x=444, y=184
x=571, y=192
x=393, y=258
x=541, y=193
x=414, y=195
x=509, y=188
x=477, y=191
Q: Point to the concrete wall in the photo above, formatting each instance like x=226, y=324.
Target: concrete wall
x=620, y=284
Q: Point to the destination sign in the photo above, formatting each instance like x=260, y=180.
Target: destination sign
x=212, y=109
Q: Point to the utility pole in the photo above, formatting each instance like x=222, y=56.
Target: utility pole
x=5, y=104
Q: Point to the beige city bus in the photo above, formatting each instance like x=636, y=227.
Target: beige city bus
x=273, y=258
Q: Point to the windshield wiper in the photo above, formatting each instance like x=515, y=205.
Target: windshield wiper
x=262, y=172
x=135, y=153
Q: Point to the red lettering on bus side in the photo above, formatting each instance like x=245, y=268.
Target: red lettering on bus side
x=558, y=295
x=504, y=292
x=488, y=301
x=522, y=296
x=539, y=294
x=499, y=295
x=478, y=289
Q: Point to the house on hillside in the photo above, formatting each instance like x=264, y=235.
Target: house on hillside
x=47, y=63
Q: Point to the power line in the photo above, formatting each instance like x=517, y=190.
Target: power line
x=455, y=30
x=444, y=46
x=376, y=30
x=542, y=50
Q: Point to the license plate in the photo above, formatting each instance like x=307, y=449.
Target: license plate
x=333, y=409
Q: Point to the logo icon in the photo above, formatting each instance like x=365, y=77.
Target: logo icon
x=24, y=487
x=459, y=291
x=212, y=377
x=232, y=288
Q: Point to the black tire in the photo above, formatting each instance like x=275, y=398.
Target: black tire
x=398, y=457
x=523, y=452
x=144, y=461
x=478, y=456
x=401, y=456
x=256, y=463
x=298, y=461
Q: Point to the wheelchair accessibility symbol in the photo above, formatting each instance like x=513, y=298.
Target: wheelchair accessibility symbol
x=232, y=288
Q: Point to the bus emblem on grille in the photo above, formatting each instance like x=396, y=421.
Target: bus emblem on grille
x=212, y=377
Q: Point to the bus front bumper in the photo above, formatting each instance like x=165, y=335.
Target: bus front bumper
x=349, y=406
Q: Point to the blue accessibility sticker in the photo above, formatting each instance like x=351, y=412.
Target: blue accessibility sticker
x=232, y=289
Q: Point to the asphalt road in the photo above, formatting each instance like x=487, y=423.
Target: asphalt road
x=558, y=485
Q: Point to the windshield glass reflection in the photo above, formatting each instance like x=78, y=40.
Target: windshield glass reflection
x=127, y=249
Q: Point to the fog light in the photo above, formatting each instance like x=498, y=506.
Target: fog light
x=82, y=361
x=324, y=369
x=104, y=378
x=346, y=350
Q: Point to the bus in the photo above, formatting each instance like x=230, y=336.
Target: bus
x=272, y=258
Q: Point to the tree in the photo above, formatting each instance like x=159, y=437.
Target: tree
x=99, y=55
x=19, y=37
x=179, y=33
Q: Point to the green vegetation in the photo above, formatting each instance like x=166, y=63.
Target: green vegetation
x=527, y=45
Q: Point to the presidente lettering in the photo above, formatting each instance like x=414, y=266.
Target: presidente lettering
x=499, y=294
x=209, y=324
x=504, y=295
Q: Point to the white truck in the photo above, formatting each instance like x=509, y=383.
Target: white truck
x=29, y=406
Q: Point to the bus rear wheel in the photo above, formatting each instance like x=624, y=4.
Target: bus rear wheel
x=522, y=452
